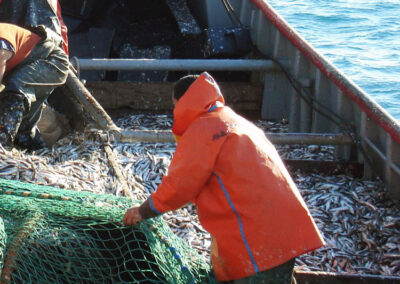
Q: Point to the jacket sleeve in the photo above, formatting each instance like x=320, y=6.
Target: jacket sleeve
x=190, y=168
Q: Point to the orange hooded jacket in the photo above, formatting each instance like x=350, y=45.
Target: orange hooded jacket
x=244, y=195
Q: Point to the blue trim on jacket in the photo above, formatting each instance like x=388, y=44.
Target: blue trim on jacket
x=215, y=106
x=212, y=108
x=153, y=207
x=240, y=223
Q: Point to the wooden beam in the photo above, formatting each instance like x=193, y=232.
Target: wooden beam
x=243, y=97
x=89, y=103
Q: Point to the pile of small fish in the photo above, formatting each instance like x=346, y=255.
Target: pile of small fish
x=360, y=225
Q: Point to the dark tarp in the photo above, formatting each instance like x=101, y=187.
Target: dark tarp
x=30, y=13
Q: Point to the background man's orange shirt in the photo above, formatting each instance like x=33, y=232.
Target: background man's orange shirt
x=22, y=40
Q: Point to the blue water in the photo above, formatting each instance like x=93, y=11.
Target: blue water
x=360, y=37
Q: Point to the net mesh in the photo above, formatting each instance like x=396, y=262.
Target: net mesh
x=50, y=235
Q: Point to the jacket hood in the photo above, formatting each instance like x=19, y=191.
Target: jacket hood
x=200, y=97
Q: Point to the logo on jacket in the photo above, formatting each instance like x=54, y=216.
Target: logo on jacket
x=219, y=135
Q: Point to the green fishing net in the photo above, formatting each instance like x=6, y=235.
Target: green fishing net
x=50, y=235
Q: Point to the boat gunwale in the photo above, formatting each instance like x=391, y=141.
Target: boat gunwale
x=362, y=99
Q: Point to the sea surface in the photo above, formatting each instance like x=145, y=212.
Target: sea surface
x=360, y=37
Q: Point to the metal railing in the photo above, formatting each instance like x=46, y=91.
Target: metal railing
x=174, y=64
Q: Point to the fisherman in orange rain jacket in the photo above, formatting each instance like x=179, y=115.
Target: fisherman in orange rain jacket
x=244, y=195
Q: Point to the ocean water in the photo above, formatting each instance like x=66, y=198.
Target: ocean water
x=360, y=37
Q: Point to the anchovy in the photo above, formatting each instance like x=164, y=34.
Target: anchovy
x=359, y=224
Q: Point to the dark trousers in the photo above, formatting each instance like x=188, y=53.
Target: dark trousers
x=282, y=274
x=37, y=76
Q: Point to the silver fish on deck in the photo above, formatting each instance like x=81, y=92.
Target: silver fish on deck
x=360, y=225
